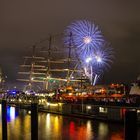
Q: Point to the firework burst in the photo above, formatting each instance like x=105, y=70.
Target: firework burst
x=95, y=53
x=84, y=35
x=103, y=57
x=98, y=62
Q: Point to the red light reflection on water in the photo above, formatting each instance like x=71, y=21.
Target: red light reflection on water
x=72, y=130
x=80, y=132
x=72, y=127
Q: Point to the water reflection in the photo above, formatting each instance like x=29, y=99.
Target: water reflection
x=0, y=111
x=103, y=130
x=0, y=122
x=90, y=133
x=56, y=127
x=19, y=128
x=11, y=113
x=116, y=136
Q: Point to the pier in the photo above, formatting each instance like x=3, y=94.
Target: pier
x=100, y=109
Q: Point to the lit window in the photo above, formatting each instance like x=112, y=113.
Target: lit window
x=102, y=110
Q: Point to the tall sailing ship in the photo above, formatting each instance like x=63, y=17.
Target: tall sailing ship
x=51, y=65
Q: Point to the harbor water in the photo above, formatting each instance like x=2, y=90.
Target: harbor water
x=58, y=127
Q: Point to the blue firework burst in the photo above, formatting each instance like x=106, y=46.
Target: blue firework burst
x=100, y=59
x=84, y=35
x=103, y=57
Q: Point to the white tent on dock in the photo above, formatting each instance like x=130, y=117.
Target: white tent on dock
x=135, y=89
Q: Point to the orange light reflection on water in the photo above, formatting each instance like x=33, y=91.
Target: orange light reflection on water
x=117, y=136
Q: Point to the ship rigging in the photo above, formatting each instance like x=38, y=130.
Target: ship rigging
x=58, y=66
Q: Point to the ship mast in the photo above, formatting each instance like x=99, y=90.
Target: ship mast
x=69, y=59
x=34, y=69
x=48, y=67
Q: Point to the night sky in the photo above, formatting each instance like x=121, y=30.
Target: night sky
x=25, y=22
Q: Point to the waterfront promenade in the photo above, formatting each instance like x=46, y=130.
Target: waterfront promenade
x=108, y=109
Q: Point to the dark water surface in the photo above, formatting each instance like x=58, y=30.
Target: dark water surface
x=57, y=127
